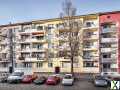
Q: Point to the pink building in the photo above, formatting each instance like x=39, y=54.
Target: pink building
x=110, y=41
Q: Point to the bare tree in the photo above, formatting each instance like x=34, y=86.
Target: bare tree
x=71, y=25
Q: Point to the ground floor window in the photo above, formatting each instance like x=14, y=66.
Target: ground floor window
x=50, y=64
x=39, y=64
x=88, y=64
x=66, y=64
x=28, y=65
x=75, y=65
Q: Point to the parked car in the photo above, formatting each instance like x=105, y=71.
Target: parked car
x=40, y=80
x=15, y=77
x=101, y=81
x=27, y=79
x=52, y=80
x=3, y=77
x=68, y=79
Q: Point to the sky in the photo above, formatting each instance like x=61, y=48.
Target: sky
x=27, y=10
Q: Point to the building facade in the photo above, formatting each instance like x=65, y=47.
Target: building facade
x=109, y=41
x=38, y=45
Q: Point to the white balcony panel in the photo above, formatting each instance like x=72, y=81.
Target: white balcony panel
x=107, y=30
x=35, y=30
x=106, y=60
x=38, y=50
x=33, y=59
x=108, y=50
x=114, y=66
x=107, y=40
x=2, y=69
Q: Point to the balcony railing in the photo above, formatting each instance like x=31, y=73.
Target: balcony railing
x=25, y=40
x=38, y=49
x=36, y=30
x=108, y=30
x=91, y=59
x=108, y=50
x=25, y=31
x=38, y=40
x=112, y=59
x=33, y=59
x=108, y=40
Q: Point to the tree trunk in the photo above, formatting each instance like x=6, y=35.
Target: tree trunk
x=72, y=71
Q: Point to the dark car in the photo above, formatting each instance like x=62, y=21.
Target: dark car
x=40, y=80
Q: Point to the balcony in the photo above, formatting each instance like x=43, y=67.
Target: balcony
x=106, y=50
x=108, y=40
x=36, y=30
x=90, y=48
x=91, y=58
x=34, y=40
x=25, y=40
x=25, y=50
x=4, y=50
x=4, y=41
x=109, y=60
x=91, y=37
x=42, y=58
x=38, y=50
x=27, y=31
x=63, y=38
x=109, y=30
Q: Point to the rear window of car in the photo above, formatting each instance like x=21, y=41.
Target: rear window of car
x=68, y=77
x=51, y=77
x=99, y=77
x=27, y=76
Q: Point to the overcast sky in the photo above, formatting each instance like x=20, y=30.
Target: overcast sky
x=26, y=10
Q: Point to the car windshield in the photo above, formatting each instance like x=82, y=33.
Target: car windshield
x=17, y=74
x=68, y=77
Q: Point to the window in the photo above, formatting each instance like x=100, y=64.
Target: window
x=50, y=26
x=50, y=64
x=39, y=27
x=87, y=55
x=89, y=24
x=27, y=65
x=88, y=64
x=65, y=65
x=106, y=55
x=40, y=64
x=75, y=65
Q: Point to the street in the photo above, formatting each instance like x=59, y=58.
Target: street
x=80, y=85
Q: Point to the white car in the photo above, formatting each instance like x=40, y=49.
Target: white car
x=15, y=77
x=68, y=79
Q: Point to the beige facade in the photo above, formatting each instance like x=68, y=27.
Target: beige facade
x=38, y=43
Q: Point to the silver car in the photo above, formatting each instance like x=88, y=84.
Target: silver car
x=15, y=77
x=68, y=79
x=100, y=81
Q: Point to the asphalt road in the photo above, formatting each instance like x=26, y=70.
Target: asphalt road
x=81, y=85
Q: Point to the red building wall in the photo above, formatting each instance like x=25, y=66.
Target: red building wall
x=113, y=17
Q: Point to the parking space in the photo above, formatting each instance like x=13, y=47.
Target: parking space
x=79, y=85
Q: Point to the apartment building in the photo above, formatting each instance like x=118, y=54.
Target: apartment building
x=109, y=41
x=39, y=45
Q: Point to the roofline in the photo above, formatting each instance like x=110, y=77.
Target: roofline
x=111, y=12
x=57, y=19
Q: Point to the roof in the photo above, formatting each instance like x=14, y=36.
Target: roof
x=56, y=19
